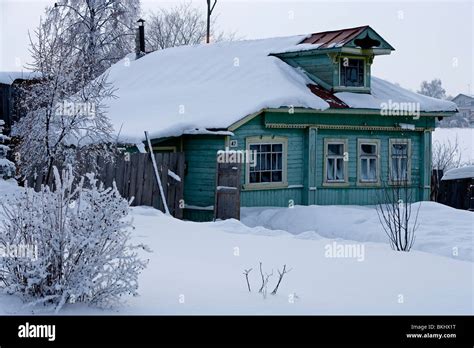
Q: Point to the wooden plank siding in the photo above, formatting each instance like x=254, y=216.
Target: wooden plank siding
x=295, y=164
x=200, y=177
x=306, y=158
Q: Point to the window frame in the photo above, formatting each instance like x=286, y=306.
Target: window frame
x=360, y=142
x=259, y=140
x=364, y=60
x=392, y=142
x=338, y=141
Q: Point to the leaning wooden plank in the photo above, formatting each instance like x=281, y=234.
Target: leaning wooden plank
x=157, y=175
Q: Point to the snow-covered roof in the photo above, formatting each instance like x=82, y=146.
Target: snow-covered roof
x=7, y=77
x=192, y=88
x=459, y=173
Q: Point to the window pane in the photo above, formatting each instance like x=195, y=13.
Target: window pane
x=268, y=161
x=395, y=169
x=340, y=169
x=399, y=149
x=254, y=177
x=277, y=148
x=259, y=162
x=403, y=169
x=335, y=149
x=265, y=176
x=368, y=149
x=372, y=170
x=352, y=72
x=254, y=147
x=363, y=169
x=330, y=169
x=277, y=176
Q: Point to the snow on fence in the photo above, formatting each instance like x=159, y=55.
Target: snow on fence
x=134, y=176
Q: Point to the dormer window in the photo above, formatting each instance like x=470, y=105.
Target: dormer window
x=352, y=72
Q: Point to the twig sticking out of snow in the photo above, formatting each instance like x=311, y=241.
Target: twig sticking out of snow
x=281, y=274
x=246, y=273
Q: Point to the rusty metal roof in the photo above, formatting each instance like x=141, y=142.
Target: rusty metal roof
x=327, y=96
x=334, y=38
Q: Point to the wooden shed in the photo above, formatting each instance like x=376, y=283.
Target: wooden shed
x=457, y=188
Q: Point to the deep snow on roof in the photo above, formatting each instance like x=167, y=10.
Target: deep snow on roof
x=7, y=77
x=193, y=88
x=459, y=173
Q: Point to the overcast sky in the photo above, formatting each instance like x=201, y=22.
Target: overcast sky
x=433, y=39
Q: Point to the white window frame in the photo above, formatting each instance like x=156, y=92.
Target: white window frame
x=360, y=156
x=339, y=141
x=260, y=140
x=409, y=153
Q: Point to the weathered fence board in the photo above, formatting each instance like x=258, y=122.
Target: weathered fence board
x=134, y=177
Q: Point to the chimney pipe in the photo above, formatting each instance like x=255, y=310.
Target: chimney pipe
x=140, y=39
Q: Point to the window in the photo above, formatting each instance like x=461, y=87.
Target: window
x=269, y=166
x=400, y=160
x=368, y=151
x=352, y=72
x=335, y=161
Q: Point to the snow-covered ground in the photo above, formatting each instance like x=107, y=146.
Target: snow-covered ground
x=464, y=136
x=197, y=268
x=443, y=230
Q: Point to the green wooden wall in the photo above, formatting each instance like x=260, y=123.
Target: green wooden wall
x=200, y=177
x=304, y=162
x=306, y=158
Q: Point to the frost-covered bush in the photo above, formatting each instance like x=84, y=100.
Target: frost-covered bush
x=82, y=237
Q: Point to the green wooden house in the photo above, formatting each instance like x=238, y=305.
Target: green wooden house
x=321, y=129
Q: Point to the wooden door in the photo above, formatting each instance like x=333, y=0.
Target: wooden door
x=227, y=196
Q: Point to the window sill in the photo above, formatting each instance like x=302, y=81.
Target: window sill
x=369, y=184
x=400, y=183
x=336, y=184
x=265, y=186
x=351, y=89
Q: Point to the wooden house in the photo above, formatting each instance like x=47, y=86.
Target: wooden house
x=321, y=129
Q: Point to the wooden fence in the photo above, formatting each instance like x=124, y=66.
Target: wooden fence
x=134, y=176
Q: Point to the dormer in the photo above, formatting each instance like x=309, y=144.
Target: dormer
x=338, y=60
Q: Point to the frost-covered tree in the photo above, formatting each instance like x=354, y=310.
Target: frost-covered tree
x=100, y=32
x=433, y=89
x=81, y=237
x=7, y=167
x=180, y=25
x=65, y=117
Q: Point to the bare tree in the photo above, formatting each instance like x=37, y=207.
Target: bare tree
x=280, y=274
x=265, y=279
x=246, y=273
x=395, y=215
x=180, y=25
x=445, y=156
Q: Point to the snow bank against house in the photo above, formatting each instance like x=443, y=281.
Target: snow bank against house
x=459, y=173
x=177, y=90
x=443, y=230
